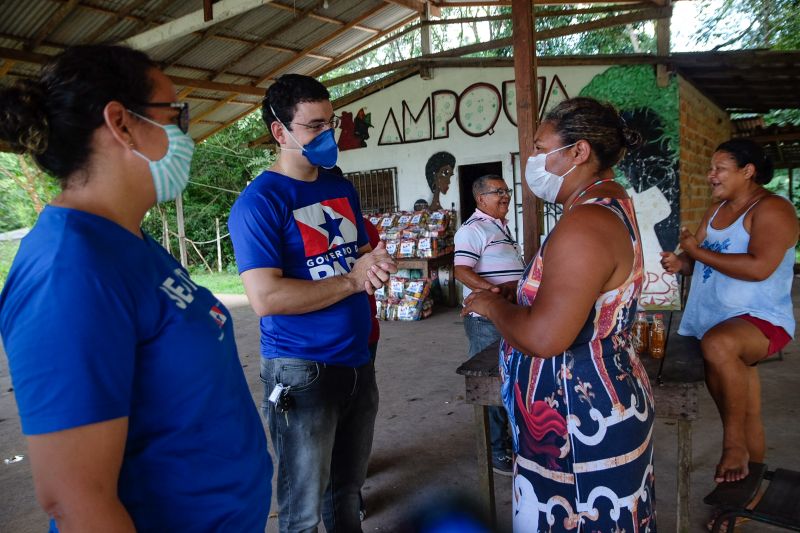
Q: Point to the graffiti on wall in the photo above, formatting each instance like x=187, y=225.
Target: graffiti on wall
x=475, y=111
x=651, y=170
x=355, y=131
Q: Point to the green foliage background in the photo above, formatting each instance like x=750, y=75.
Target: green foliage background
x=222, y=166
x=632, y=87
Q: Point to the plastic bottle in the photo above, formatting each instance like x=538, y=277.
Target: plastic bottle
x=658, y=336
x=640, y=334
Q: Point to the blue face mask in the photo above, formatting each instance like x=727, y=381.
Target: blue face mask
x=171, y=172
x=322, y=151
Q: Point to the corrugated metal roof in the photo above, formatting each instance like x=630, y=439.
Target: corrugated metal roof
x=225, y=57
x=249, y=47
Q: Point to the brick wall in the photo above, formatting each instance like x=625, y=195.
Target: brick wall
x=703, y=126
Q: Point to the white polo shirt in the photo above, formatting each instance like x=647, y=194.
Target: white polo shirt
x=485, y=245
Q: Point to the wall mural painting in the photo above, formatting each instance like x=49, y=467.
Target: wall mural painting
x=478, y=109
x=651, y=171
x=444, y=112
x=552, y=96
x=390, y=133
x=417, y=127
x=355, y=131
x=438, y=171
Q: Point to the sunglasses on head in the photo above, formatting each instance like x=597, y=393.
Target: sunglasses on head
x=183, y=112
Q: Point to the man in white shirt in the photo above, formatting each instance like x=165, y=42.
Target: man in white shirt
x=487, y=257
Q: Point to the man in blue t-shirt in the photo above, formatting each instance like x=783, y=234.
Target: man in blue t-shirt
x=306, y=265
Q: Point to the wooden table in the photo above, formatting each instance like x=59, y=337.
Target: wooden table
x=675, y=380
x=429, y=264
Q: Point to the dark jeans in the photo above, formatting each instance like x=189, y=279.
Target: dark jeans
x=322, y=443
x=482, y=333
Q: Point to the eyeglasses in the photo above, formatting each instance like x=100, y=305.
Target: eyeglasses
x=499, y=192
x=319, y=125
x=183, y=112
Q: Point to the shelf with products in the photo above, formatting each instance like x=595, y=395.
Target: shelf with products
x=422, y=244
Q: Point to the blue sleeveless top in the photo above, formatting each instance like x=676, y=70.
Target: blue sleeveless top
x=715, y=297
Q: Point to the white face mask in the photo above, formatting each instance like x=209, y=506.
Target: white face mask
x=544, y=184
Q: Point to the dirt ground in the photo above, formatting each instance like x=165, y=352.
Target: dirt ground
x=424, y=446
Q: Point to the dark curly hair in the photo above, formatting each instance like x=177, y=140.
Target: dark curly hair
x=288, y=91
x=747, y=152
x=437, y=161
x=597, y=123
x=53, y=117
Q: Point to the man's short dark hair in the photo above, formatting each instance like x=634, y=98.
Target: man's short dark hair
x=288, y=91
x=479, y=184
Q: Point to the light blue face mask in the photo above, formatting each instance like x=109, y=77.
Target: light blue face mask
x=171, y=172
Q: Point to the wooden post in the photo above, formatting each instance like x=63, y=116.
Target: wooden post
x=485, y=472
x=219, y=249
x=425, y=40
x=662, y=46
x=527, y=113
x=181, y=231
x=165, y=232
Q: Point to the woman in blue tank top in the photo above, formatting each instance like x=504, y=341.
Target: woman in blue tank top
x=741, y=260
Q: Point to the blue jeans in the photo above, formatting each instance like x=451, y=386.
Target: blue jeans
x=482, y=333
x=322, y=442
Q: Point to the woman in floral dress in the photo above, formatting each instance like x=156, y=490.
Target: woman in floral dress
x=578, y=398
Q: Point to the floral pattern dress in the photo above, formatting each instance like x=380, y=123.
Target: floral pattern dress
x=583, y=420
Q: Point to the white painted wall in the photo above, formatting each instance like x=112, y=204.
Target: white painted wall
x=410, y=158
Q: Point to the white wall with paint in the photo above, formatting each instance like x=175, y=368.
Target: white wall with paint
x=426, y=124
x=495, y=144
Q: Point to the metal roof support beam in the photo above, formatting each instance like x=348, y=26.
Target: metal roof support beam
x=190, y=23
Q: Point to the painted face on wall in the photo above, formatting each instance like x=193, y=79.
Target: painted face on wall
x=443, y=176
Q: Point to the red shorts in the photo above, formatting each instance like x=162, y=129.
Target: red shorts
x=776, y=335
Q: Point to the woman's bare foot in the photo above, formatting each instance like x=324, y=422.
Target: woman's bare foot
x=732, y=465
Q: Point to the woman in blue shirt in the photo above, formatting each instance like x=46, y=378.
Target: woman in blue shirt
x=129, y=386
x=740, y=306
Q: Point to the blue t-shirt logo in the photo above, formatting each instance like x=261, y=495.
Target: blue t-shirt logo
x=330, y=236
x=181, y=290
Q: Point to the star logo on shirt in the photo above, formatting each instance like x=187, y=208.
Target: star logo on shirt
x=326, y=225
x=332, y=227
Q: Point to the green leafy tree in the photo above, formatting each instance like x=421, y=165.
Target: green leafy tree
x=24, y=190
x=222, y=166
x=743, y=24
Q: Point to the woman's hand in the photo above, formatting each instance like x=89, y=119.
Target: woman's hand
x=671, y=262
x=507, y=290
x=689, y=243
x=482, y=302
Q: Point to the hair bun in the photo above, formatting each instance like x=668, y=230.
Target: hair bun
x=631, y=137
x=23, y=117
